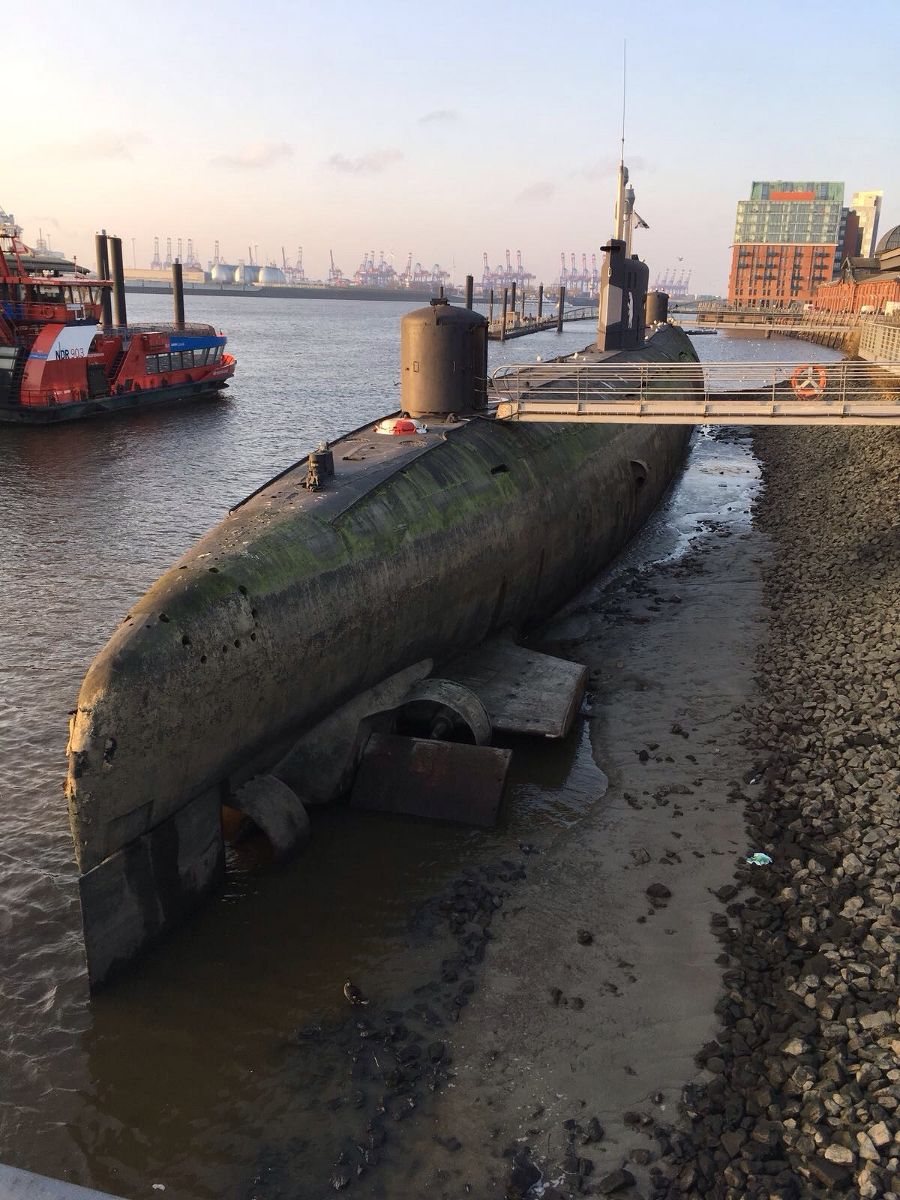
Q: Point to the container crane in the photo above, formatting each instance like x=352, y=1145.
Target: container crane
x=335, y=274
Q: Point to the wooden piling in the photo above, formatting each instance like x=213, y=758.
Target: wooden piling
x=562, y=301
x=505, y=303
x=470, y=291
x=540, y=301
x=512, y=298
x=491, y=308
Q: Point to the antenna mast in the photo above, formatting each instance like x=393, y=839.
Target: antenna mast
x=623, y=170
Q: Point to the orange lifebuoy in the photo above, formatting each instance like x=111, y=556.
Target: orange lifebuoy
x=808, y=380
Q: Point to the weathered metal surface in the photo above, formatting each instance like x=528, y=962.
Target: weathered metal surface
x=461, y=704
x=522, y=690
x=298, y=602
x=446, y=781
x=320, y=765
x=275, y=809
x=150, y=885
x=443, y=360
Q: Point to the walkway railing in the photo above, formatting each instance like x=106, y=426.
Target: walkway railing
x=519, y=326
x=736, y=393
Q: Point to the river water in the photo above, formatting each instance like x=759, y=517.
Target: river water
x=187, y=1074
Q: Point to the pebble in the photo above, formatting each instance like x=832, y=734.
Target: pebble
x=615, y=1181
x=808, y=1096
x=658, y=891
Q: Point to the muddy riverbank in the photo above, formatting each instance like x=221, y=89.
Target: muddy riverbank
x=654, y=1016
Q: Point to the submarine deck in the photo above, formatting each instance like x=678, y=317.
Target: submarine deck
x=364, y=458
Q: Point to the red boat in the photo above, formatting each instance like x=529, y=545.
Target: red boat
x=63, y=357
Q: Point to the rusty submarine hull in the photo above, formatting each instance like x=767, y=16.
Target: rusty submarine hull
x=324, y=597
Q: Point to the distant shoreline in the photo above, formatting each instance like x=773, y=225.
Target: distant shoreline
x=287, y=291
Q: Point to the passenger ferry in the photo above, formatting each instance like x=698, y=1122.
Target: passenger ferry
x=63, y=357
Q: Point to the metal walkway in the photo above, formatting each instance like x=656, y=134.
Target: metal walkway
x=518, y=326
x=777, y=320
x=736, y=393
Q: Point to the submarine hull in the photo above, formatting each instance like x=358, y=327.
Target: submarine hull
x=418, y=547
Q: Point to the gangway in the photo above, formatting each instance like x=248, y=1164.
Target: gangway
x=848, y=392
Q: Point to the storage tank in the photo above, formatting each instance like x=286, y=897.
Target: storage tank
x=271, y=274
x=222, y=273
x=443, y=360
x=246, y=273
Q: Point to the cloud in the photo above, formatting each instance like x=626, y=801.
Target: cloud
x=439, y=116
x=542, y=190
x=254, y=156
x=106, y=144
x=365, y=164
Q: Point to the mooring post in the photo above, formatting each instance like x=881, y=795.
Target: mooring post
x=512, y=298
x=102, y=249
x=178, y=294
x=540, y=301
x=118, y=275
x=523, y=302
x=505, y=303
x=441, y=293
x=491, y=308
x=470, y=291
x=562, y=300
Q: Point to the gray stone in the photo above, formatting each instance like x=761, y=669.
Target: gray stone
x=616, y=1181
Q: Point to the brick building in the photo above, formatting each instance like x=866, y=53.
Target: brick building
x=789, y=239
x=866, y=283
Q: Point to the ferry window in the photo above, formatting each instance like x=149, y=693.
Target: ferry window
x=187, y=358
x=152, y=365
x=176, y=362
x=218, y=353
x=164, y=363
x=199, y=358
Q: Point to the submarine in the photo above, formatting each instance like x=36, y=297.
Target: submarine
x=261, y=673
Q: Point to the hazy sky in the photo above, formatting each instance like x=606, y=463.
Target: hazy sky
x=446, y=129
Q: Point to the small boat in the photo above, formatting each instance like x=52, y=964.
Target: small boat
x=63, y=357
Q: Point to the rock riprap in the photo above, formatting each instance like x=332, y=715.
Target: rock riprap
x=803, y=1094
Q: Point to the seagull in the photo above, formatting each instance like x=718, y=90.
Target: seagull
x=353, y=994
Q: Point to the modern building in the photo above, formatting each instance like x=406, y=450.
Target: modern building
x=867, y=206
x=866, y=284
x=790, y=237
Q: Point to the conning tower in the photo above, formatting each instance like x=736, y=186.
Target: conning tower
x=443, y=361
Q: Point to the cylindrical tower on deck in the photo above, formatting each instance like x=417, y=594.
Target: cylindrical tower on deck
x=443, y=360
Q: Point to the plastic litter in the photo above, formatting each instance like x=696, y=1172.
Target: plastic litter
x=759, y=859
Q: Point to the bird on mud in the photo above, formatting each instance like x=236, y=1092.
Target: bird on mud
x=354, y=995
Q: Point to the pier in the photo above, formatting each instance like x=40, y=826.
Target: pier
x=726, y=393
x=776, y=320
x=520, y=326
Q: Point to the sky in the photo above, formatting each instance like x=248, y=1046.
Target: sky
x=444, y=129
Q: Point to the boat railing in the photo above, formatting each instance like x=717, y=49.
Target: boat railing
x=166, y=327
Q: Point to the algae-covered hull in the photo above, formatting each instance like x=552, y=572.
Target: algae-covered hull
x=298, y=601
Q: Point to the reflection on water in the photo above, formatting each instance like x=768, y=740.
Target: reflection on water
x=181, y=1074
